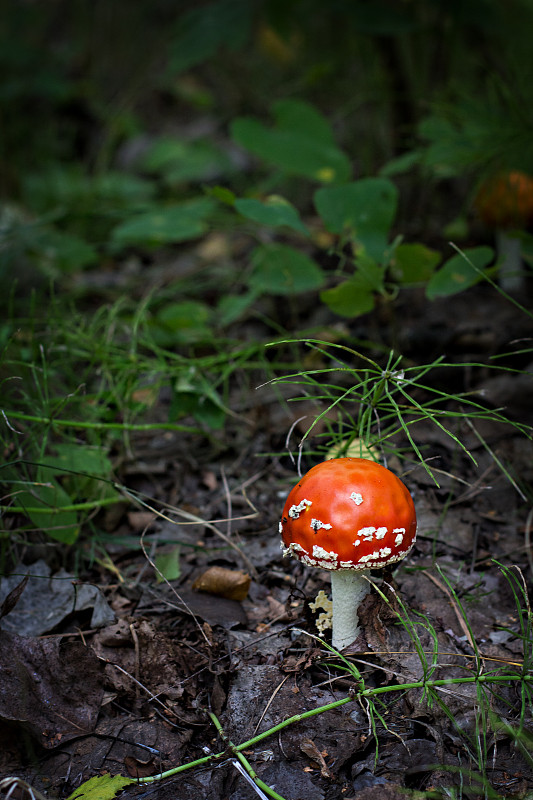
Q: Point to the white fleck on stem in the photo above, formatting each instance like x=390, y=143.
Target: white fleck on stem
x=348, y=589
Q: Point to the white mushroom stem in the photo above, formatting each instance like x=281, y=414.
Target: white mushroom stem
x=509, y=251
x=348, y=589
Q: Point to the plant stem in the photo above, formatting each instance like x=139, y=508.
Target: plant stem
x=366, y=693
x=244, y=761
x=104, y=426
x=106, y=501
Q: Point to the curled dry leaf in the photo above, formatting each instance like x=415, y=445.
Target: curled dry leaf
x=229, y=583
x=310, y=749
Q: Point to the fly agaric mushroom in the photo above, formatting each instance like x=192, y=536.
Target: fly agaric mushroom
x=348, y=515
x=504, y=202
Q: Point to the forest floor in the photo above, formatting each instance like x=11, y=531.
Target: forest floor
x=125, y=681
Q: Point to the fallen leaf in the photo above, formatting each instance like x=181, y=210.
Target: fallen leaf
x=140, y=520
x=49, y=599
x=11, y=599
x=310, y=749
x=228, y=583
x=100, y=787
x=41, y=689
x=139, y=769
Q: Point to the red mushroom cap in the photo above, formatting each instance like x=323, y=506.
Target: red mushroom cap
x=505, y=200
x=348, y=513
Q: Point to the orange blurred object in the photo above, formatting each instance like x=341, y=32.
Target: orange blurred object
x=505, y=200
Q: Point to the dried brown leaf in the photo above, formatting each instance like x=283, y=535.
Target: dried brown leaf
x=222, y=582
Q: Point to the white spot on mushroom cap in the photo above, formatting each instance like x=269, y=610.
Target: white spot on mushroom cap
x=366, y=533
x=380, y=533
x=319, y=552
x=398, y=540
x=294, y=549
x=369, y=557
x=326, y=564
x=295, y=511
x=357, y=498
x=316, y=525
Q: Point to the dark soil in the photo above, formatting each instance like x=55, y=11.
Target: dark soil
x=118, y=678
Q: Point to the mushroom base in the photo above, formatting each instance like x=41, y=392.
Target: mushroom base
x=348, y=589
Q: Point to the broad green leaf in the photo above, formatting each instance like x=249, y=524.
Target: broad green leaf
x=81, y=458
x=279, y=269
x=301, y=143
x=414, y=263
x=100, y=787
x=364, y=210
x=460, y=272
x=46, y=505
x=350, y=298
x=81, y=466
x=178, y=161
x=275, y=211
x=300, y=117
x=231, y=307
x=168, y=564
x=165, y=225
x=185, y=322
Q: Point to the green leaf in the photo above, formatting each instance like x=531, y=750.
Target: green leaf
x=178, y=161
x=414, y=263
x=81, y=466
x=165, y=225
x=185, y=322
x=369, y=274
x=275, y=211
x=279, y=269
x=204, y=29
x=64, y=251
x=302, y=118
x=81, y=458
x=364, y=210
x=401, y=164
x=100, y=787
x=222, y=194
x=302, y=143
x=193, y=394
x=231, y=307
x=459, y=272
x=54, y=519
x=350, y=298
x=75, y=193
x=168, y=564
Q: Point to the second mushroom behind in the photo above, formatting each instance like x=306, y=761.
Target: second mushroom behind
x=348, y=515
